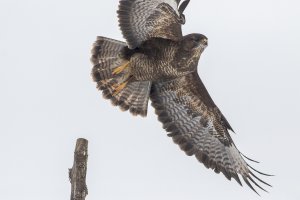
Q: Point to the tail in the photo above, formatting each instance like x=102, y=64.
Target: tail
x=111, y=74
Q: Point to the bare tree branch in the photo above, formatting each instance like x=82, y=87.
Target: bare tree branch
x=77, y=174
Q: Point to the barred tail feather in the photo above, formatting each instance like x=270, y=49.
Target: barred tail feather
x=106, y=57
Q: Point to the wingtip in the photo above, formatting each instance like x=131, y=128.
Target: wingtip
x=249, y=184
x=258, y=171
x=183, y=6
x=252, y=160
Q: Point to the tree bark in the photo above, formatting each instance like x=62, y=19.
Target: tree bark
x=77, y=174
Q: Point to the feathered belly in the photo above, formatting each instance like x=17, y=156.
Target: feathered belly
x=152, y=70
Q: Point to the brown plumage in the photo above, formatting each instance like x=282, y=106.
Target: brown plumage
x=159, y=63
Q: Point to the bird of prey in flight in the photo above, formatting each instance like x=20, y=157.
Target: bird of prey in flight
x=158, y=63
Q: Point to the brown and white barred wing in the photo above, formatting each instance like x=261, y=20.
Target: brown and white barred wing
x=140, y=20
x=189, y=115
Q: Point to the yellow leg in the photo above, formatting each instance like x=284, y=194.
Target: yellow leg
x=118, y=87
x=121, y=68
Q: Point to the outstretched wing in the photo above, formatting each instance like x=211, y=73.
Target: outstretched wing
x=196, y=124
x=140, y=20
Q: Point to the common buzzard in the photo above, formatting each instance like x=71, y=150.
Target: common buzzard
x=159, y=63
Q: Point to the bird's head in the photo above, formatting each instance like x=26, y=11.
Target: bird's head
x=190, y=49
x=194, y=42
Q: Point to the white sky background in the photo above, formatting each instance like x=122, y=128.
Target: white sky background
x=48, y=100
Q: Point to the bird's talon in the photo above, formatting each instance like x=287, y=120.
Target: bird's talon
x=118, y=87
x=121, y=68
